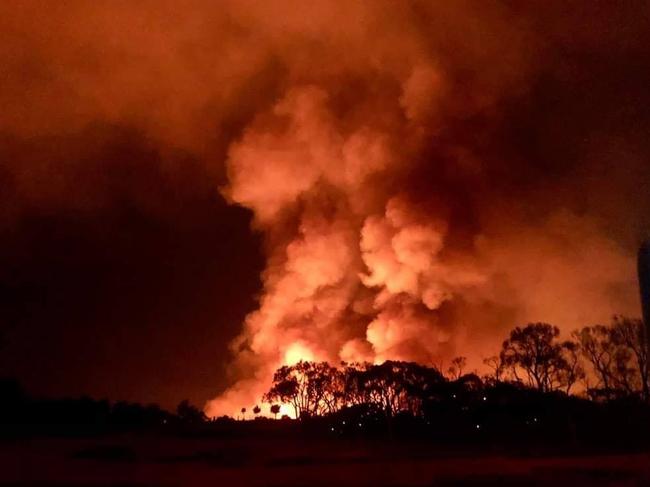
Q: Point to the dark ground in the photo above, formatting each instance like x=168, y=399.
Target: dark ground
x=158, y=460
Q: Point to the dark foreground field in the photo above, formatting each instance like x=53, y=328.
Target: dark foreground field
x=127, y=460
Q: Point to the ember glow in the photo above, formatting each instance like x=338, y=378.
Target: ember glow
x=424, y=175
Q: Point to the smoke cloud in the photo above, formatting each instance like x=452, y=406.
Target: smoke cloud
x=425, y=175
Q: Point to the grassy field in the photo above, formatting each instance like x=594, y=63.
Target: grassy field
x=167, y=461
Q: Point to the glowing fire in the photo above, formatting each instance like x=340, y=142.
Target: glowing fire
x=287, y=410
x=378, y=146
x=377, y=246
x=296, y=352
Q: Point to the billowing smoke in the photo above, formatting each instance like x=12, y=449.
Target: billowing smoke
x=384, y=233
x=425, y=175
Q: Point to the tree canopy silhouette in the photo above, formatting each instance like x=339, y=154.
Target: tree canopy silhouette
x=535, y=350
x=532, y=356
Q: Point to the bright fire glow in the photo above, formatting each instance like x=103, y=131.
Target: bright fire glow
x=360, y=174
x=296, y=352
x=287, y=410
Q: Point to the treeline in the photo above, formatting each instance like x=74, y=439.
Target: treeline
x=604, y=362
x=600, y=363
x=590, y=391
x=21, y=413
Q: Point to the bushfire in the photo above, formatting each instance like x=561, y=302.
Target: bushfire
x=396, y=226
x=422, y=175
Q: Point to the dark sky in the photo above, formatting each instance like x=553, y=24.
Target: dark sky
x=132, y=294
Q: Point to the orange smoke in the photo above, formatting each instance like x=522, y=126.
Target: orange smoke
x=361, y=269
x=382, y=148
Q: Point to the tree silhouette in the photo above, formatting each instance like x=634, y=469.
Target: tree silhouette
x=597, y=348
x=618, y=355
x=535, y=350
x=256, y=410
x=631, y=334
x=310, y=387
x=286, y=388
x=495, y=363
x=457, y=366
x=316, y=389
x=243, y=413
x=533, y=361
x=275, y=409
x=572, y=371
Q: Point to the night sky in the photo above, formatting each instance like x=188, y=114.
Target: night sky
x=134, y=296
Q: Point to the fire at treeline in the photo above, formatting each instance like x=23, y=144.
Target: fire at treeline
x=599, y=363
x=587, y=391
x=538, y=383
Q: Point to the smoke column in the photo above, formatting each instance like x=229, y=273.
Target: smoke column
x=391, y=229
x=425, y=175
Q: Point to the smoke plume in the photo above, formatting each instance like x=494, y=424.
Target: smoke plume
x=425, y=175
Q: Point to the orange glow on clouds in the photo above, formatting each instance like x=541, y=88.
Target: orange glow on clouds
x=380, y=147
